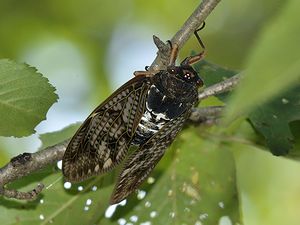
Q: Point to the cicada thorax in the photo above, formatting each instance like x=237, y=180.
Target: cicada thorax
x=167, y=98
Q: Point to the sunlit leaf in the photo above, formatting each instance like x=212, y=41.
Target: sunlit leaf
x=194, y=184
x=25, y=97
x=56, y=204
x=274, y=64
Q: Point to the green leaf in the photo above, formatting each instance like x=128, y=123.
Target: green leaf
x=25, y=97
x=272, y=121
x=52, y=138
x=56, y=204
x=213, y=74
x=194, y=183
x=274, y=64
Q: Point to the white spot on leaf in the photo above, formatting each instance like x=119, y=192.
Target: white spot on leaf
x=94, y=188
x=172, y=214
x=59, y=164
x=121, y=221
x=67, y=185
x=150, y=180
x=146, y=223
x=203, y=216
x=153, y=214
x=88, y=202
x=221, y=205
x=147, y=204
x=112, y=208
x=134, y=219
x=225, y=220
x=141, y=194
x=110, y=211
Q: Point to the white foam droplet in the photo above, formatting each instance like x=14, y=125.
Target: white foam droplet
x=86, y=208
x=150, y=180
x=134, y=219
x=88, y=202
x=94, y=188
x=80, y=188
x=221, y=205
x=146, y=223
x=122, y=203
x=141, y=194
x=42, y=217
x=225, y=220
x=121, y=221
x=147, y=204
x=172, y=214
x=42, y=201
x=153, y=214
x=203, y=216
x=110, y=210
x=59, y=164
x=198, y=222
x=67, y=185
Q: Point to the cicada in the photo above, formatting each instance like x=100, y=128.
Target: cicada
x=148, y=111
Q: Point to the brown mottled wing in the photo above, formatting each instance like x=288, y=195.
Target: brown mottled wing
x=105, y=136
x=142, y=162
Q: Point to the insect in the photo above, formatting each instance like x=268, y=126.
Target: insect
x=148, y=111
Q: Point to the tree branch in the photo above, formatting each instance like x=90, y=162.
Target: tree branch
x=186, y=31
x=27, y=163
x=220, y=88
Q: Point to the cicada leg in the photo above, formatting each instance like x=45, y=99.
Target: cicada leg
x=196, y=58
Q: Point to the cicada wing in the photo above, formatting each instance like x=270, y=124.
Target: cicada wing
x=105, y=136
x=142, y=161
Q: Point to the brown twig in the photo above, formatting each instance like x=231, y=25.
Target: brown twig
x=27, y=163
x=200, y=115
x=186, y=31
x=219, y=88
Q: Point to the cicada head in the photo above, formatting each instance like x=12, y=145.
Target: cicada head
x=186, y=73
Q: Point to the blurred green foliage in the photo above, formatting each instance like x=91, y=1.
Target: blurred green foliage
x=265, y=184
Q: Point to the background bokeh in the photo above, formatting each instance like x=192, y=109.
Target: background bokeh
x=89, y=48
